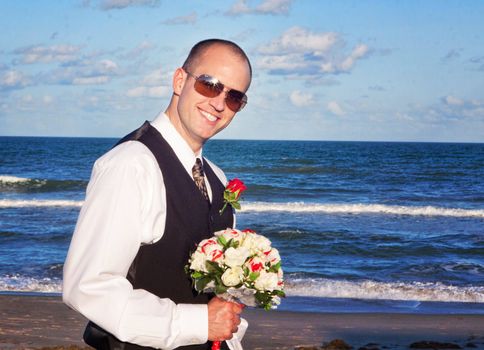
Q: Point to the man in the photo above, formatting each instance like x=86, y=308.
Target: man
x=147, y=207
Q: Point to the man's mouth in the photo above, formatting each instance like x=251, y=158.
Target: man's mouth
x=209, y=116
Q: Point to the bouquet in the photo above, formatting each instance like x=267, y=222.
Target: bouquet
x=238, y=266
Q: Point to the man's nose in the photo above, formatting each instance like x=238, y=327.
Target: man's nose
x=218, y=102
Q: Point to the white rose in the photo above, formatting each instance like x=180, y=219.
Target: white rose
x=228, y=234
x=207, y=246
x=236, y=256
x=255, y=264
x=198, y=260
x=233, y=276
x=256, y=243
x=266, y=281
x=274, y=256
x=212, y=250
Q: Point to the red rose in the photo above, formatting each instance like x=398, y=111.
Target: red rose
x=232, y=193
x=236, y=186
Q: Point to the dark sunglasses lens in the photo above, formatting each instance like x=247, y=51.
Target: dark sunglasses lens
x=208, y=86
x=236, y=100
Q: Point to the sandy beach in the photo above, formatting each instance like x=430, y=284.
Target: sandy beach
x=35, y=322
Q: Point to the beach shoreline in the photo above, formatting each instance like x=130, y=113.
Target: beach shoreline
x=35, y=322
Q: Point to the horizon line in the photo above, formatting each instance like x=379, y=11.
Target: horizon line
x=248, y=139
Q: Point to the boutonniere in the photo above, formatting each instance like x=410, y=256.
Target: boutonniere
x=232, y=194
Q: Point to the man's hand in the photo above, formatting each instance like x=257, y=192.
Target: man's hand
x=223, y=319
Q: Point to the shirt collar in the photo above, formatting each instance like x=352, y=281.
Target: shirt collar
x=181, y=148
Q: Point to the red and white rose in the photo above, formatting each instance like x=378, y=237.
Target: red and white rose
x=238, y=265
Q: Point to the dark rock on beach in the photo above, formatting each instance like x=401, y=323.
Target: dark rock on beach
x=434, y=345
x=370, y=346
x=336, y=344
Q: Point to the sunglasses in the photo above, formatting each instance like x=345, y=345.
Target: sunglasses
x=209, y=86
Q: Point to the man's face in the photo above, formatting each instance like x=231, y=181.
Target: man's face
x=202, y=117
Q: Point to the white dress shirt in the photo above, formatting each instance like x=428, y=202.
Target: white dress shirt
x=125, y=207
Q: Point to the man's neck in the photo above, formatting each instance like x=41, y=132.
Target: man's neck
x=175, y=121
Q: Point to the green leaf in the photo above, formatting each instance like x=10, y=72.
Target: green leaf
x=202, y=283
x=276, y=267
x=253, y=276
x=280, y=293
x=236, y=205
x=197, y=274
x=214, y=267
x=222, y=241
x=220, y=289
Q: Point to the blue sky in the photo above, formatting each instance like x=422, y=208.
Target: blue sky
x=323, y=70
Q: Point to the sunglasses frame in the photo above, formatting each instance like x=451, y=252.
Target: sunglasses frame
x=211, y=87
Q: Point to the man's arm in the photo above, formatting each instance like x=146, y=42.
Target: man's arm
x=125, y=204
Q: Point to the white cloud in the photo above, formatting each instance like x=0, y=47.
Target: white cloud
x=335, y=108
x=107, y=5
x=453, y=101
x=156, y=77
x=299, y=51
x=47, y=99
x=146, y=91
x=13, y=79
x=154, y=84
x=266, y=7
x=84, y=72
x=358, y=52
x=47, y=54
x=300, y=40
x=301, y=99
x=284, y=63
x=138, y=51
x=274, y=7
x=102, y=79
x=188, y=19
x=455, y=108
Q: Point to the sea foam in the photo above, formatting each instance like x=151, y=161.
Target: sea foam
x=292, y=207
x=357, y=208
x=13, y=203
x=12, y=179
x=326, y=288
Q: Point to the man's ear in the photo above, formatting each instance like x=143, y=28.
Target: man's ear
x=179, y=78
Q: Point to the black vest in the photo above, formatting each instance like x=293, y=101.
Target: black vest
x=159, y=267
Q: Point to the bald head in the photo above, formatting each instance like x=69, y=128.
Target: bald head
x=198, y=51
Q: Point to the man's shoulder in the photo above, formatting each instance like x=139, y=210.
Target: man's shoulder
x=127, y=154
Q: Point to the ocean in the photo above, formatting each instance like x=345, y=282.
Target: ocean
x=361, y=226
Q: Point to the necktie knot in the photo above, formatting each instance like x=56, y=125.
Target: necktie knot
x=199, y=178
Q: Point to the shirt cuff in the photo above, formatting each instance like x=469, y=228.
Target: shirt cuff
x=194, y=323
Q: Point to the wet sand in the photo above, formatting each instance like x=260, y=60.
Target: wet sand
x=34, y=322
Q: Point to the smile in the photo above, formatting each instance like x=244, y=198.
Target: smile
x=209, y=116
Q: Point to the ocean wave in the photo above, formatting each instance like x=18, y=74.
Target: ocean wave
x=291, y=207
x=307, y=287
x=12, y=179
x=25, y=185
x=17, y=283
x=419, y=291
x=12, y=203
x=335, y=208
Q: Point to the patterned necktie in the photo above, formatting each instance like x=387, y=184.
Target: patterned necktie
x=199, y=178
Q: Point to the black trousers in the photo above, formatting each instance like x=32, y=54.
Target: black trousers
x=99, y=339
